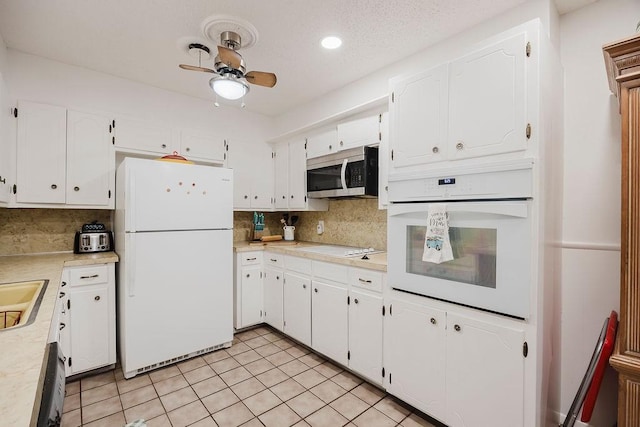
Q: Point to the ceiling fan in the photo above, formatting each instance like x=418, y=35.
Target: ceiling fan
x=231, y=77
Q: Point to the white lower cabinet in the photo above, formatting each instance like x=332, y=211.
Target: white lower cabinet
x=365, y=334
x=273, y=297
x=88, y=338
x=248, y=290
x=297, y=307
x=329, y=320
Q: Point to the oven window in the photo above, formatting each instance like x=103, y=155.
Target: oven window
x=474, y=253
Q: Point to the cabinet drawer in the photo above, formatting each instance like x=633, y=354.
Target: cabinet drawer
x=274, y=259
x=88, y=275
x=334, y=272
x=251, y=258
x=301, y=265
x=366, y=279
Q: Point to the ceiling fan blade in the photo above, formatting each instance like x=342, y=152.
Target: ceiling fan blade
x=194, y=68
x=261, y=78
x=230, y=57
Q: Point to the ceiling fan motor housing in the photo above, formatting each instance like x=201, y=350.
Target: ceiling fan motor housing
x=231, y=39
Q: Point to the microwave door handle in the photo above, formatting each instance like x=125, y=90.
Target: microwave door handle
x=343, y=174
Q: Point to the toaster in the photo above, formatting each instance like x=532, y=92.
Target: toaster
x=94, y=237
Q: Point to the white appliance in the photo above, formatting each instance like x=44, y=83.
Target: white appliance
x=491, y=240
x=174, y=237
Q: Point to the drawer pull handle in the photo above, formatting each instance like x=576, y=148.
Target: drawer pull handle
x=251, y=259
x=363, y=280
x=433, y=321
x=93, y=276
x=97, y=298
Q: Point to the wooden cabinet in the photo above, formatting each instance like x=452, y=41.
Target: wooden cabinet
x=329, y=320
x=622, y=60
x=297, y=307
x=253, y=174
x=63, y=157
x=90, y=331
x=273, y=297
x=248, y=289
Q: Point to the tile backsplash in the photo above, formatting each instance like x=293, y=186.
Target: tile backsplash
x=29, y=231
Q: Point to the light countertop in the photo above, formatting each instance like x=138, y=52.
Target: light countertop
x=24, y=349
x=377, y=261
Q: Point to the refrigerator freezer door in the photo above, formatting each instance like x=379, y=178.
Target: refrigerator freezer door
x=175, y=293
x=157, y=195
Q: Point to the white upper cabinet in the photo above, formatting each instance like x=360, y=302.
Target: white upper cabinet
x=487, y=99
x=322, y=143
x=359, y=132
x=281, y=175
x=252, y=165
x=202, y=145
x=297, y=176
x=143, y=136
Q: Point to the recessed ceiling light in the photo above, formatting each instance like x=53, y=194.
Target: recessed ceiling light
x=331, y=42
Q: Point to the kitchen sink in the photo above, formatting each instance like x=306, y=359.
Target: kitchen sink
x=19, y=302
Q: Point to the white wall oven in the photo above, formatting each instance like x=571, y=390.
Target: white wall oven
x=491, y=241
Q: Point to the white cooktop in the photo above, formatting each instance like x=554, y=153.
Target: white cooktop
x=339, y=251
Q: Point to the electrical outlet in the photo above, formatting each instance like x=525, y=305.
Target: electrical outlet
x=320, y=227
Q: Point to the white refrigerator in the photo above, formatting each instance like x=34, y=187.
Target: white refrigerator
x=174, y=237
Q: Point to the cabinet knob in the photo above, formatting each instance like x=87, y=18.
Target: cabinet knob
x=435, y=150
x=433, y=321
x=246, y=197
x=277, y=277
x=457, y=328
x=341, y=143
x=255, y=197
x=284, y=197
x=164, y=145
x=53, y=186
x=188, y=149
x=330, y=147
x=76, y=188
x=315, y=290
x=97, y=298
x=292, y=196
x=248, y=275
x=355, y=300
x=460, y=145
x=304, y=286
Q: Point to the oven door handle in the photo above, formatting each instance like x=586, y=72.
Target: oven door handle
x=510, y=209
x=343, y=174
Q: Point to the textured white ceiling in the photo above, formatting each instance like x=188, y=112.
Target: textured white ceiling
x=144, y=40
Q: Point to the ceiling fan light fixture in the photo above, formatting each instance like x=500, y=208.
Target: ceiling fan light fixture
x=331, y=42
x=229, y=86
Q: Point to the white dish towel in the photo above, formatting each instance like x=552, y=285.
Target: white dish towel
x=437, y=247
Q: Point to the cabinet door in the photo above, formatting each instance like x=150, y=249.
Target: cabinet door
x=202, y=145
x=418, y=119
x=90, y=328
x=273, y=281
x=41, y=153
x=485, y=373
x=487, y=100
x=297, y=307
x=383, y=163
x=365, y=335
x=241, y=163
x=262, y=176
x=281, y=174
x=297, y=176
x=322, y=143
x=359, y=132
x=144, y=136
x=329, y=317
x=251, y=295
x=414, y=343
x=90, y=160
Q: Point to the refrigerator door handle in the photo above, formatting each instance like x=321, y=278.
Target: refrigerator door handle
x=131, y=265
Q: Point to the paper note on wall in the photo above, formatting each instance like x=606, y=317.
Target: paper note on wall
x=437, y=247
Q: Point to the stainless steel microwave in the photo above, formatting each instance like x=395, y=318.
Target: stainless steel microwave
x=348, y=173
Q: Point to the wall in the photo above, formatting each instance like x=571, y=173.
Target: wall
x=591, y=223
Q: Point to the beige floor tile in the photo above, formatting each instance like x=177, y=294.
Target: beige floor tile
x=280, y=358
x=373, y=418
x=138, y=381
x=328, y=369
x=209, y=386
x=188, y=414
x=164, y=373
x=247, y=357
x=238, y=348
x=414, y=420
x=224, y=365
x=97, y=380
x=233, y=416
x=72, y=419
x=199, y=374
x=301, y=423
x=117, y=373
x=116, y=419
x=235, y=376
x=287, y=389
x=216, y=356
x=349, y=406
x=247, y=388
x=259, y=366
x=392, y=409
x=71, y=402
x=312, y=360
x=101, y=409
x=293, y=368
x=262, y=402
x=297, y=351
x=99, y=393
x=305, y=404
x=161, y=421
x=256, y=342
x=346, y=380
x=328, y=391
x=178, y=398
x=191, y=364
x=326, y=417
x=268, y=350
x=263, y=330
x=272, y=377
x=309, y=378
x=147, y=410
x=255, y=422
x=206, y=422
x=247, y=335
x=72, y=388
x=138, y=396
x=283, y=344
x=368, y=393
x=218, y=401
x=170, y=384
x=271, y=337
x=280, y=416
